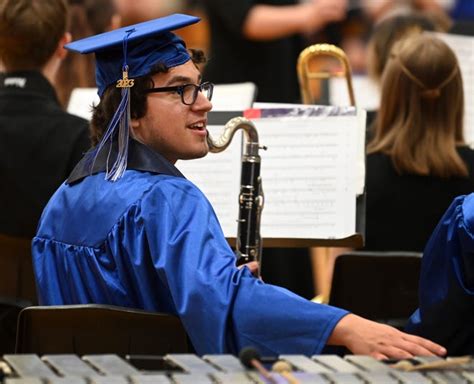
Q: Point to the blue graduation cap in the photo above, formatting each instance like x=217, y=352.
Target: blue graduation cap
x=127, y=53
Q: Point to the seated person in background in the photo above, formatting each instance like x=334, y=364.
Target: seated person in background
x=418, y=160
x=384, y=35
x=128, y=229
x=446, y=291
x=39, y=142
x=387, y=33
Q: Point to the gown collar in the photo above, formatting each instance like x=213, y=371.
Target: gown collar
x=140, y=158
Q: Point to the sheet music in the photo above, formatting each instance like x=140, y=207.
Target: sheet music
x=218, y=176
x=361, y=124
x=233, y=97
x=310, y=176
x=366, y=92
x=463, y=47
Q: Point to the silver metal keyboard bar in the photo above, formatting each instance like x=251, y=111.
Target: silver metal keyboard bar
x=368, y=363
x=189, y=363
x=113, y=379
x=232, y=378
x=304, y=363
x=344, y=378
x=69, y=365
x=309, y=378
x=226, y=363
x=29, y=365
x=67, y=380
x=411, y=377
x=150, y=379
x=195, y=378
x=445, y=377
x=110, y=365
x=24, y=380
x=336, y=363
x=378, y=377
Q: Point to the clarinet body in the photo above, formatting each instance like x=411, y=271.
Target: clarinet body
x=251, y=200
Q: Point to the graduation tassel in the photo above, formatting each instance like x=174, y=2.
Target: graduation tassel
x=121, y=118
x=120, y=164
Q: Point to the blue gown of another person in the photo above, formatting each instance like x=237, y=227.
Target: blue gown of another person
x=446, y=312
x=152, y=241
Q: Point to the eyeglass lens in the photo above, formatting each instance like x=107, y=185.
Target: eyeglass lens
x=190, y=92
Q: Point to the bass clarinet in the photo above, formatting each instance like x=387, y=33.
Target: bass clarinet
x=248, y=245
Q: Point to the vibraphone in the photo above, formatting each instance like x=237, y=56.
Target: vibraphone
x=188, y=368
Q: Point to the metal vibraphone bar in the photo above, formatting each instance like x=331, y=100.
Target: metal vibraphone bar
x=188, y=368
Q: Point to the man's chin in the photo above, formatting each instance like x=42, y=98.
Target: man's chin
x=195, y=155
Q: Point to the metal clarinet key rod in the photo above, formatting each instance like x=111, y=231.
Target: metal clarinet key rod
x=228, y=369
x=251, y=199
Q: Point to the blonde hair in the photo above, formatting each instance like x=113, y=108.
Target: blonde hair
x=420, y=121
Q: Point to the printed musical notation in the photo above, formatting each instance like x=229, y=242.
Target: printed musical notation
x=309, y=175
x=312, y=171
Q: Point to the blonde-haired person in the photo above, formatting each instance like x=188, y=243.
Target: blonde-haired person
x=417, y=160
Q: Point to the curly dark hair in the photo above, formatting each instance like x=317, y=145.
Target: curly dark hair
x=105, y=110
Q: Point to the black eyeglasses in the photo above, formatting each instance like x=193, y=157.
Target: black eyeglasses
x=188, y=92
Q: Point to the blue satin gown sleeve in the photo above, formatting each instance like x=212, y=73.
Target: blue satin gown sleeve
x=224, y=308
x=446, y=291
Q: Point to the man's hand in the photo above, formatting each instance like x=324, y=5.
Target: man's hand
x=365, y=337
x=322, y=12
x=253, y=266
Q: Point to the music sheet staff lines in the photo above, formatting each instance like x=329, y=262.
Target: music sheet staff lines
x=312, y=170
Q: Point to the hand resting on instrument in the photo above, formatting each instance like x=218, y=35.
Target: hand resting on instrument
x=366, y=337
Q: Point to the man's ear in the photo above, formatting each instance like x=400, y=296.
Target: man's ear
x=135, y=128
x=135, y=123
x=61, y=52
x=136, y=131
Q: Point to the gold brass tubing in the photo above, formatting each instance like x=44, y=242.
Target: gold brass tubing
x=304, y=74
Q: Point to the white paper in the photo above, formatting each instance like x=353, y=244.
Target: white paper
x=218, y=176
x=366, y=92
x=81, y=102
x=233, y=97
x=310, y=176
x=463, y=47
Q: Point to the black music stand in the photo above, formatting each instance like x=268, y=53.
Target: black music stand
x=98, y=329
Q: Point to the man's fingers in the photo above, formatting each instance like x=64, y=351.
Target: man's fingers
x=394, y=352
x=424, y=347
x=253, y=266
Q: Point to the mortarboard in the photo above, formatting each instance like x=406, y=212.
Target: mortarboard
x=127, y=53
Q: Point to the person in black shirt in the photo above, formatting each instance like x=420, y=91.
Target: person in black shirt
x=39, y=142
x=260, y=40
x=418, y=160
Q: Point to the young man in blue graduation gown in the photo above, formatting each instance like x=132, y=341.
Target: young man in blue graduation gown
x=446, y=312
x=128, y=229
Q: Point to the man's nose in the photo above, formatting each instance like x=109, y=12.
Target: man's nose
x=202, y=102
